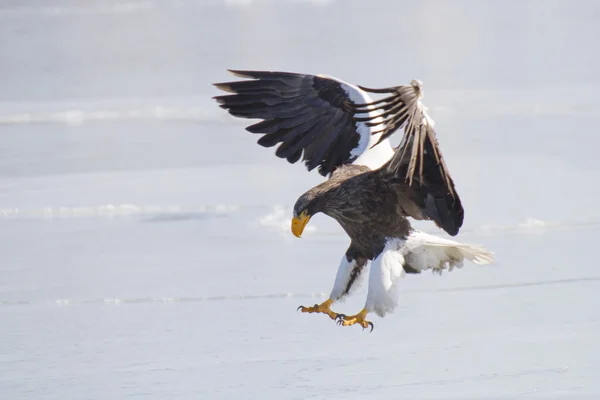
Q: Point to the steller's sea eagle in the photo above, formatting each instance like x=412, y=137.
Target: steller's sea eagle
x=371, y=188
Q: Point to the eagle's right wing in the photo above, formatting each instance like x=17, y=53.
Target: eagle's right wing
x=417, y=167
x=313, y=117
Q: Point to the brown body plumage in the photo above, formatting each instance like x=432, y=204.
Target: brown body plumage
x=331, y=125
x=367, y=205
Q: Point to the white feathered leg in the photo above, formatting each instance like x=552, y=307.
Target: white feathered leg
x=386, y=271
x=347, y=278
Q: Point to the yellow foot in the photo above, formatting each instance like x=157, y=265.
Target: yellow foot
x=322, y=308
x=359, y=319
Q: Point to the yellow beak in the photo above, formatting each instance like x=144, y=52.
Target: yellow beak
x=299, y=222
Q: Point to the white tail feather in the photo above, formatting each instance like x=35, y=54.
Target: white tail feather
x=477, y=254
x=423, y=251
x=419, y=251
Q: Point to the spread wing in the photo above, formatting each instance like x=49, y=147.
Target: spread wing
x=403, y=108
x=312, y=117
x=417, y=166
x=432, y=192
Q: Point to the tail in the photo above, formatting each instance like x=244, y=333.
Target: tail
x=475, y=253
x=423, y=251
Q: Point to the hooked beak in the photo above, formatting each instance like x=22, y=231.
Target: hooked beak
x=299, y=222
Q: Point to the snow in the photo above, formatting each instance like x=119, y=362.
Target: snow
x=144, y=237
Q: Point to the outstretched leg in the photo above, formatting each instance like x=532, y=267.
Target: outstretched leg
x=350, y=269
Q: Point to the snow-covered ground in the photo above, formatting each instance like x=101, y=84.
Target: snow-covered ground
x=144, y=236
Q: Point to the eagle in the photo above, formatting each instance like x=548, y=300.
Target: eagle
x=371, y=188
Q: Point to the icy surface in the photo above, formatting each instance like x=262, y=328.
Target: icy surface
x=144, y=236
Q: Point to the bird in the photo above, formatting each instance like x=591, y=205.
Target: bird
x=371, y=188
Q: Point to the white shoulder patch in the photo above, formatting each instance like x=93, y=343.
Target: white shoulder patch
x=365, y=155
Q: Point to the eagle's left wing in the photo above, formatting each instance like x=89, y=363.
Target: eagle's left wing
x=417, y=167
x=403, y=108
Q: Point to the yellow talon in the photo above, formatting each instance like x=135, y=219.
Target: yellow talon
x=322, y=308
x=359, y=319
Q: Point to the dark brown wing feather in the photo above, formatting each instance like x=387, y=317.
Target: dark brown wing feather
x=400, y=107
x=308, y=114
x=418, y=161
x=433, y=188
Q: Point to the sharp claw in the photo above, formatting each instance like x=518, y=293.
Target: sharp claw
x=299, y=308
x=372, y=326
